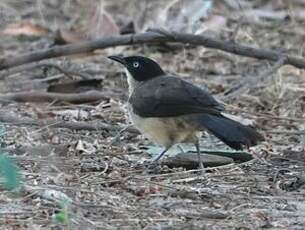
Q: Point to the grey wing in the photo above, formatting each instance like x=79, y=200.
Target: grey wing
x=170, y=96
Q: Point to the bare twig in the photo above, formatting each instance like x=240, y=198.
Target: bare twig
x=280, y=62
x=233, y=165
x=118, y=135
x=231, y=108
x=286, y=132
x=68, y=73
x=13, y=120
x=38, y=96
x=8, y=118
x=41, y=149
x=153, y=36
x=251, y=80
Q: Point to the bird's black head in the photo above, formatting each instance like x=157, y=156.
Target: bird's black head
x=140, y=68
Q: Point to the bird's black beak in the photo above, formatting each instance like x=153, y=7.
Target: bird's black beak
x=119, y=59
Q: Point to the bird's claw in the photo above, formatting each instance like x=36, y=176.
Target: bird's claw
x=152, y=167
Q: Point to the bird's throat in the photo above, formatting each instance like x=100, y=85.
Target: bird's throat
x=132, y=83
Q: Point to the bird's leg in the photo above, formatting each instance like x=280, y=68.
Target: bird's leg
x=160, y=155
x=152, y=166
x=198, y=154
x=181, y=149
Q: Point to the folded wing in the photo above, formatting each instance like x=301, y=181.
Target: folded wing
x=170, y=96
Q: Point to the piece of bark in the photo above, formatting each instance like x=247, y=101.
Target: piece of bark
x=40, y=96
x=76, y=86
x=189, y=160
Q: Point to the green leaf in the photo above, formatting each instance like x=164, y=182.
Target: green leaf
x=9, y=172
x=61, y=217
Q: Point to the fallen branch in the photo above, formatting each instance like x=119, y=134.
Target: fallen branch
x=37, y=96
x=266, y=116
x=52, y=123
x=41, y=150
x=189, y=160
x=152, y=36
x=69, y=73
x=286, y=132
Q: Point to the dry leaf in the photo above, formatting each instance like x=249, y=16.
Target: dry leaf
x=147, y=190
x=66, y=36
x=102, y=24
x=72, y=114
x=184, y=15
x=76, y=86
x=24, y=28
x=214, y=23
x=80, y=146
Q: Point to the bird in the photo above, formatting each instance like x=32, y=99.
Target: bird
x=169, y=110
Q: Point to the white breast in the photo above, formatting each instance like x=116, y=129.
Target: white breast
x=163, y=131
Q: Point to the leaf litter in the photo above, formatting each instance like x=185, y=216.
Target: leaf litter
x=104, y=179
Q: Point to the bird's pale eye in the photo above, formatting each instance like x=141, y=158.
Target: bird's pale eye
x=136, y=64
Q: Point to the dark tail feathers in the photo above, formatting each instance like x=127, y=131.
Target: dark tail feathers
x=232, y=133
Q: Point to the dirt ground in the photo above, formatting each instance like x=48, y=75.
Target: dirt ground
x=101, y=172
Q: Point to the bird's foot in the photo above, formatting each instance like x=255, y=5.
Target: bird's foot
x=201, y=168
x=152, y=167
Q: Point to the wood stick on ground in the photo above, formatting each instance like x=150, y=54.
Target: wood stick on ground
x=6, y=117
x=41, y=150
x=151, y=37
x=68, y=73
x=286, y=132
x=13, y=120
x=40, y=96
x=232, y=108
